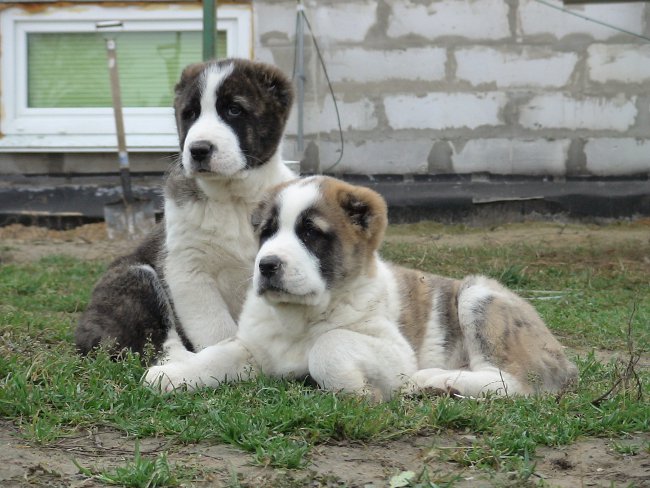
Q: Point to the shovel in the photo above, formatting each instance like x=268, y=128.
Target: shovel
x=130, y=217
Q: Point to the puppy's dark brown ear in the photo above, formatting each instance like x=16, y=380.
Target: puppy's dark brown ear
x=189, y=75
x=366, y=210
x=277, y=84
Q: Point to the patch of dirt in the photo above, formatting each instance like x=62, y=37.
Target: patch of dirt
x=594, y=462
x=591, y=462
x=20, y=243
x=547, y=234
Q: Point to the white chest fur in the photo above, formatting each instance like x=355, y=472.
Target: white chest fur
x=215, y=239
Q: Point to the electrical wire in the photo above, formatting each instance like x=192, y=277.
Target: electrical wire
x=329, y=83
x=295, y=49
x=595, y=21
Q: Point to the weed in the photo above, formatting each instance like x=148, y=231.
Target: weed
x=141, y=472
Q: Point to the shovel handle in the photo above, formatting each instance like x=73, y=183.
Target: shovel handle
x=116, y=96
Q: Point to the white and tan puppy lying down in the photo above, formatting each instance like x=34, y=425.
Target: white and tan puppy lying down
x=323, y=303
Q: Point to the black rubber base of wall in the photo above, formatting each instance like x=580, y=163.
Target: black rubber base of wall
x=65, y=202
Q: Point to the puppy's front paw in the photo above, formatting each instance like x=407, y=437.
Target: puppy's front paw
x=165, y=378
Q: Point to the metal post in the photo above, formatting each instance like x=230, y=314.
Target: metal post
x=209, y=29
x=300, y=72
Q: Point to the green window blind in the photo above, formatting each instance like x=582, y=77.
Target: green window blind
x=69, y=70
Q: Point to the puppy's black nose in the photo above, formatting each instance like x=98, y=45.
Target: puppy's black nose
x=270, y=265
x=201, y=150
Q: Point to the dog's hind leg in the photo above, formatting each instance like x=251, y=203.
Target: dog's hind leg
x=129, y=308
x=485, y=323
x=509, y=348
x=467, y=383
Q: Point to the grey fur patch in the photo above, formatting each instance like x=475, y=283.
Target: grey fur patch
x=181, y=189
x=129, y=306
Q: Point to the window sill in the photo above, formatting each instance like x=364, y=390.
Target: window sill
x=86, y=143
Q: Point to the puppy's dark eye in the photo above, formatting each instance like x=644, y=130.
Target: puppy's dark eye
x=268, y=229
x=310, y=230
x=190, y=114
x=234, y=110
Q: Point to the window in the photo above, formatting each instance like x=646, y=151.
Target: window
x=55, y=85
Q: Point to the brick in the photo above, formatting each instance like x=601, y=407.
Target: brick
x=519, y=67
x=560, y=111
x=343, y=21
x=444, y=110
x=511, y=156
x=359, y=115
x=618, y=156
x=537, y=19
x=363, y=66
x=274, y=18
x=484, y=19
x=378, y=157
x=624, y=63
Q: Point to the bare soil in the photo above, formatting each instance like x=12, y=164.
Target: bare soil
x=589, y=462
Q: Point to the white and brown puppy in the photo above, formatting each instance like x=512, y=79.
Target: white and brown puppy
x=324, y=304
x=186, y=283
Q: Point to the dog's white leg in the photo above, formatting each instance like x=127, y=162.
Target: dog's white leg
x=173, y=349
x=349, y=361
x=467, y=383
x=226, y=361
x=202, y=312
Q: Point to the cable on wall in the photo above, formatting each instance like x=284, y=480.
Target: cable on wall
x=595, y=21
x=301, y=12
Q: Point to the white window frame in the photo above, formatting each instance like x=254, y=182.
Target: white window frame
x=26, y=129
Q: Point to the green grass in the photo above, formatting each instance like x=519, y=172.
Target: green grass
x=141, y=472
x=587, y=297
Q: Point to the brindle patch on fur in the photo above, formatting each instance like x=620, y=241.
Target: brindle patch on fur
x=416, y=298
x=446, y=304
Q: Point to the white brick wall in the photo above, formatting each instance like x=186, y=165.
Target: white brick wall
x=444, y=110
x=612, y=156
x=516, y=79
x=625, y=63
x=348, y=22
x=363, y=66
x=276, y=17
x=392, y=156
x=560, y=111
x=359, y=115
x=484, y=19
x=518, y=67
x=535, y=18
x=508, y=156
